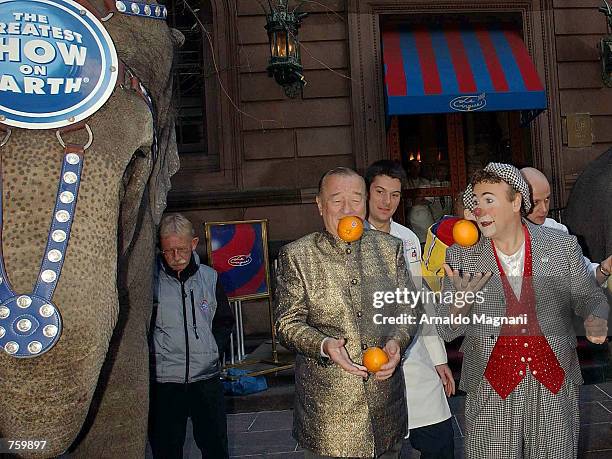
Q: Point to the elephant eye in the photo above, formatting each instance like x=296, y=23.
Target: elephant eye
x=140, y=153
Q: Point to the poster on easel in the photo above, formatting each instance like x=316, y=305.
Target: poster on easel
x=238, y=251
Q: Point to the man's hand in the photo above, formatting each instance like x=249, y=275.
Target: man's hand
x=392, y=348
x=335, y=350
x=446, y=375
x=465, y=283
x=596, y=329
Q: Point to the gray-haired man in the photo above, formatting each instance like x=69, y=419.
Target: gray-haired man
x=192, y=323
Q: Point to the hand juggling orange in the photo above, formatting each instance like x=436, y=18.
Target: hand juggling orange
x=350, y=228
x=465, y=233
x=374, y=358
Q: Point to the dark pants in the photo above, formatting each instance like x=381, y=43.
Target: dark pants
x=434, y=441
x=172, y=404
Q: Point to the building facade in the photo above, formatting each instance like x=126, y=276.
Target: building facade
x=249, y=152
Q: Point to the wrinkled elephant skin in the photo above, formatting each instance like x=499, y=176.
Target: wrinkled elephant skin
x=104, y=292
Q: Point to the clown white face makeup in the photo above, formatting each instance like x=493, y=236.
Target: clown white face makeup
x=495, y=214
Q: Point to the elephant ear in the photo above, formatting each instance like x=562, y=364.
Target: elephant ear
x=147, y=48
x=166, y=164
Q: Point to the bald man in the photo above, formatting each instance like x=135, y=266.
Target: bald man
x=540, y=191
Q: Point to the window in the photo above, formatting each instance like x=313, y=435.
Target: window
x=194, y=79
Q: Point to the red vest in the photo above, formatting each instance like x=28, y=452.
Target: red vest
x=521, y=346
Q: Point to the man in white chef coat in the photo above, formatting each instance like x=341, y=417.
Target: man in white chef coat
x=428, y=378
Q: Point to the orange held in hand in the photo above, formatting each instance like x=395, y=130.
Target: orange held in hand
x=374, y=358
x=465, y=233
x=350, y=228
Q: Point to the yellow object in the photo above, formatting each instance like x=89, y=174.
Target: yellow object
x=374, y=358
x=465, y=233
x=350, y=228
x=432, y=261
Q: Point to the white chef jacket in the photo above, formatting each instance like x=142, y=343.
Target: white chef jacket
x=425, y=395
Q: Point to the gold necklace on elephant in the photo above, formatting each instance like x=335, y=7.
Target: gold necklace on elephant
x=30, y=324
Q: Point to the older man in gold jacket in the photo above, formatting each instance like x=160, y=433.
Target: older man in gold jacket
x=329, y=310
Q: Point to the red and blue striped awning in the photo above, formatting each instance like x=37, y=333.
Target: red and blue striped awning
x=448, y=70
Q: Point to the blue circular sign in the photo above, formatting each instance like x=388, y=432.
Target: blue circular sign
x=58, y=64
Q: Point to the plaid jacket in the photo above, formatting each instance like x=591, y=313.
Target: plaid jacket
x=562, y=287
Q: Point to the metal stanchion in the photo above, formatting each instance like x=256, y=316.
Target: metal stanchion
x=241, y=324
x=239, y=330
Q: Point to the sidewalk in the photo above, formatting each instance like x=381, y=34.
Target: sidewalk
x=267, y=434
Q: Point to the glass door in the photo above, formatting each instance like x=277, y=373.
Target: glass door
x=441, y=151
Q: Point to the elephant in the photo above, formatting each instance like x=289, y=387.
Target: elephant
x=88, y=395
x=588, y=213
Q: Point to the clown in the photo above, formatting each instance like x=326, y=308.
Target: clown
x=521, y=380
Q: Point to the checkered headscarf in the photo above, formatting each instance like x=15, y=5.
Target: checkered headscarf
x=509, y=174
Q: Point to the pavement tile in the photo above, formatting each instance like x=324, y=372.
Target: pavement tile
x=456, y=430
x=603, y=454
x=461, y=421
x=240, y=422
x=459, y=425
x=595, y=393
x=594, y=412
x=276, y=441
x=273, y=420
x=267, y=434
x=596, y=438
x=606, y=387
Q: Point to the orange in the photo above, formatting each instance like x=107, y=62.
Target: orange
x=350, y=228
x=465, y=233
x=374, y=358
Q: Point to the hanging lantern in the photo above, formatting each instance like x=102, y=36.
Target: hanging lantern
x=285, y=64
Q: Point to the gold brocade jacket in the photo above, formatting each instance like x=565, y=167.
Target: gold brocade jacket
x=326, y=287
